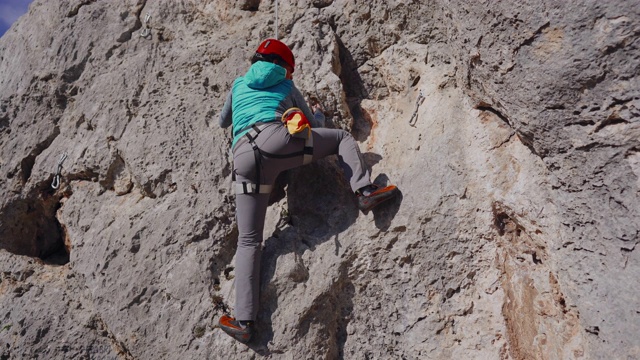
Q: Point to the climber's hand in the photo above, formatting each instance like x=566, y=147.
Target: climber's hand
x=317, y=107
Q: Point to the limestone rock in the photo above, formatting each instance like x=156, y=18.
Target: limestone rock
x=511, y=129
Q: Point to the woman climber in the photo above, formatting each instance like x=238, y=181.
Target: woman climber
x=262, y=148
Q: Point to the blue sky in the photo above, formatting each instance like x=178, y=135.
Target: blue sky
x=10, y=11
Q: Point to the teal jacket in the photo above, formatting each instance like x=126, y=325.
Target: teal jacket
x=263, y=95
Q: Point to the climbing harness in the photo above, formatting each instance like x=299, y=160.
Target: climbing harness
x=146, y=31
x=414, y=116
x=253, y=188
x=56, y=177
x=256, y=187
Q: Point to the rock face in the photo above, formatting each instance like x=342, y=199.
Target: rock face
x=512, y=131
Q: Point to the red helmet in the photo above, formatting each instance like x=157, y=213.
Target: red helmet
x=277, y=47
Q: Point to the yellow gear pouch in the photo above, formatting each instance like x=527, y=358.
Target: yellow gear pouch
x=296, y=123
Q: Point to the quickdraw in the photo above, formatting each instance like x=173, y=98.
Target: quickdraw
x=56, y=177
x=146, y=31
x=414, y=116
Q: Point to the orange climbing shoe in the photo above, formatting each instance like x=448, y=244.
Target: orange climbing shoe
x=235, y=329
x=377, y=196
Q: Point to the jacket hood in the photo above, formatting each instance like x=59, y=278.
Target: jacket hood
x=262, y=75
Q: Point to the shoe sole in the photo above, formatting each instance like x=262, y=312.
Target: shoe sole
x=378, y=197
x=239, y=334
x=243, y=337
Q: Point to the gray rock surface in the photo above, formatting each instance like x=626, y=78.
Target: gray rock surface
x=514, y=237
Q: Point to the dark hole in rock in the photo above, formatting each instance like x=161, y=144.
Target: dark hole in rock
x=28, y=226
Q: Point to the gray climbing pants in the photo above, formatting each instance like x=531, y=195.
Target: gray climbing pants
x=251, y=208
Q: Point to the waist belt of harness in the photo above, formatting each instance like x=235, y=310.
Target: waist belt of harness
x=257, y=187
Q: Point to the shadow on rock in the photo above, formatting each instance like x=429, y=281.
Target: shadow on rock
x=371, y=159
x=384, y=213
x=321, y=207
x=319, y=210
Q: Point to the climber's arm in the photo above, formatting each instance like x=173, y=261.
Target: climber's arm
x=225, y=115
x=315, y=118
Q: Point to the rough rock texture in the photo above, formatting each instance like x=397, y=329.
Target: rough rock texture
x=514, y=238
